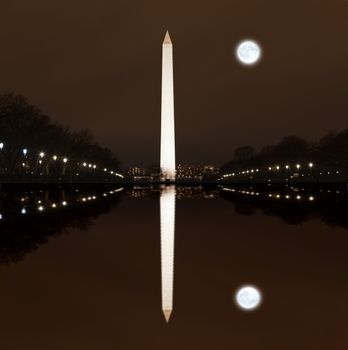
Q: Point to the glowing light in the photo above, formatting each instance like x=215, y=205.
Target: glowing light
x=1, y=145
x=54, y=157
x=40, y=208
x=167, y=162
x=311, y=198
x=167, y=215
x=54, y=205
x=310, y=165
x=248, y=52
x=286, y=166
x=298, y=166
x=64, y=203
x=65, y=160
x=24, y=151
x=23, y=211
x=94, y=166
x=42, y=154
x=248, y=298
x=84, y=164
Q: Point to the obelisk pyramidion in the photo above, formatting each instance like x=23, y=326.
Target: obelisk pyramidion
x=167, y=113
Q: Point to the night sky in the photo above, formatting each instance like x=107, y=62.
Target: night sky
x=97, y=65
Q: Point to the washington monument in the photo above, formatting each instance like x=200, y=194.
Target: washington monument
x=167, y=113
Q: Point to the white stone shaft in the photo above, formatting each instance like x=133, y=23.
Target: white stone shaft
x=167, y=113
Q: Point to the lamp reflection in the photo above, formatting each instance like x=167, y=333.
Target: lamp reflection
x=167, y=210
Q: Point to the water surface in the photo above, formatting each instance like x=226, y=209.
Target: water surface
x=87, y=274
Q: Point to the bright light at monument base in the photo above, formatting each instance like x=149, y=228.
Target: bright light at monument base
x=248, y=52
x=248, y=298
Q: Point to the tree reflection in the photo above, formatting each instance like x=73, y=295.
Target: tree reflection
x=30, y=218
x=293, y=206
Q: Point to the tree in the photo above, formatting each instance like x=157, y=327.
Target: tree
x=244, y=153
x=23, y=125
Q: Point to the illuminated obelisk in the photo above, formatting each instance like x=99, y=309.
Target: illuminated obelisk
x=167, y=113
x=167, y=210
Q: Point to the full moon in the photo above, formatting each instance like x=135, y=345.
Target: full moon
x=248, y=52
x=248, y=298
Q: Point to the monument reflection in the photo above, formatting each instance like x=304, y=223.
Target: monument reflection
x=167, y=215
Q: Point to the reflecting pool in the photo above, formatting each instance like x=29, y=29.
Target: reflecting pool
x=107, y=267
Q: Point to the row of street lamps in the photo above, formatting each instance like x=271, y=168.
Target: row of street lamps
x=65, y=160
x=270, y=168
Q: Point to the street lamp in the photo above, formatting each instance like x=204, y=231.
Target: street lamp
x=25, y=152
x=1, y=146
x=54, y=157
x=65, y=160
x=42, y=154
x=310, y=165
x=298, y=166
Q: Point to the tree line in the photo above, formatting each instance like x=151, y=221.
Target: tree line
x=330, y=152
x=31, y=142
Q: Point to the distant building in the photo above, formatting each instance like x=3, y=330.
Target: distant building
x=189, y=173
x=210, y=174
x=136, y=171
x=138, y=174
x=196, y=173
x=184, y=174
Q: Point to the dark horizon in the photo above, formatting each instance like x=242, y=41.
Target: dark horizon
x=99, y=67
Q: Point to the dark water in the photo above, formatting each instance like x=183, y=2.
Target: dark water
x=85, y=273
